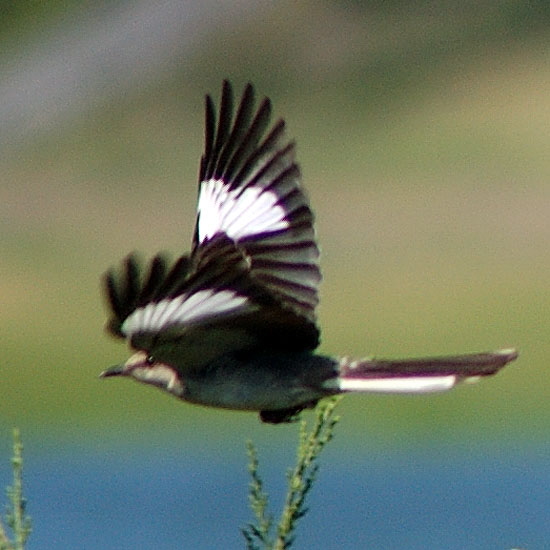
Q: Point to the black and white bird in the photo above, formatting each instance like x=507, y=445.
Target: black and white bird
x=233, y=324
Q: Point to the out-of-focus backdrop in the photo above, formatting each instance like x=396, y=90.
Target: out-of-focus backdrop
x=423, y=136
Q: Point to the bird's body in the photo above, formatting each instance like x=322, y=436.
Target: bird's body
x=232, y=324
x=261, y=382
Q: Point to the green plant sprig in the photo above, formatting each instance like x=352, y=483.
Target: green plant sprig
x=300, y=480
x=16, y=516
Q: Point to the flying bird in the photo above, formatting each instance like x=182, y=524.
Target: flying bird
x=232, y=324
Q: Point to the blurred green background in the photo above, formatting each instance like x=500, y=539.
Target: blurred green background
x=422, y=133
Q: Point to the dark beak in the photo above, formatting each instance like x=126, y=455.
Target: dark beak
x=115, y=370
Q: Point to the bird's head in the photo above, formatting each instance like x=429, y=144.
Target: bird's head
x=144, y=368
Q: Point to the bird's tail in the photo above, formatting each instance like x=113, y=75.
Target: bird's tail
x=418, y=375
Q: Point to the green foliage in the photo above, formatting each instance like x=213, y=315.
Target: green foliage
x=259, y=532
x=16, y=517
x=300, y=479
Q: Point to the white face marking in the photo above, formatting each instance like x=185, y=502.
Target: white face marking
x=184, y=310
x=410, y=384
x=136, y=359
x=239, y=212
x=157, y=374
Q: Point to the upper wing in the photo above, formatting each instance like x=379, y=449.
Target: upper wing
x=250, y=192
x=254, y=255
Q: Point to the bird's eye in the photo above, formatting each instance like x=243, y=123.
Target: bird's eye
x=150, y=360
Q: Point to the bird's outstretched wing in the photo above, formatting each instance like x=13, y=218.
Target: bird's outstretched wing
x=254, y=257
x=250, y=192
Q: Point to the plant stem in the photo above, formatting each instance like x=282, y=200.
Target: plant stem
x=300, y=482
x=17, y=519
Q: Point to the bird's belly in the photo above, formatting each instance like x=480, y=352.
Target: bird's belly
x=231, y=396
x=265, y=382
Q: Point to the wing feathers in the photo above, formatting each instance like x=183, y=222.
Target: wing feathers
x=262, y=155
x=175, y=279
x=224, y=125
x=209, y=131
x=246, y=148
x=184, y=310
x=233, y=142
x=214, y=284
x=257, y=202
x=157, y=274
x=130, y=289
x=254, y=243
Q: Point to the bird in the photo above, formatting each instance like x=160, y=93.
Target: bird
x=233, y=324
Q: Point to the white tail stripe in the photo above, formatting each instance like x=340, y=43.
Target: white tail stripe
x=409, y=384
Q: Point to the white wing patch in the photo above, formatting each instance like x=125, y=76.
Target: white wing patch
x=185, y=309
x=238, y=212
x=406, y=384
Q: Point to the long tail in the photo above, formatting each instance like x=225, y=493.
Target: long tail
x=419, y=375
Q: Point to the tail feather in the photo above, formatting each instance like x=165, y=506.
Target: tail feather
x=419, y=375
